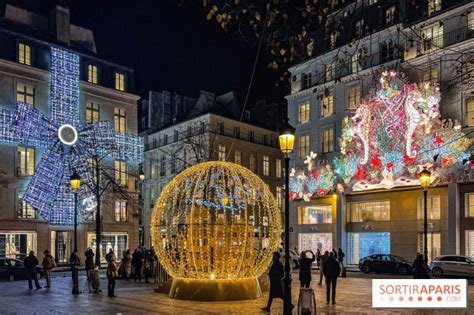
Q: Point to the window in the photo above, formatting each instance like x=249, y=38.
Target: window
x=173, y=164
x=24, y=54
x=119, y=81
x=303, y=146
x=266, y=165
x=434, y=208
x=372, y=2
x=432, y=38
x=237, y=132
x=433, y=6
x=333, y=39
x=279, y=196
x=320, y=214
x=265, y=139
x=359, y=28
x=25, y=93
x=25, y=210
x=278, y=168
x=118, y=242
x=222, y=153
x=238, y=157
x=162, y=166
x=220, y=127
x=251, y=135
x=313, y=241
x=304, y=110
x=330, y=71
x=306, y=80
x=387, y=51
x=431, y=77
x=369, y=211
x=327, y=140
x=327, y=106
x=469, y=244
x=390, y=16
x=61, y=245
x=469, y=120
x=121, y=173
x=120, y=120
x=92, y=112
x=434, y=244
x=365, y=244
x=470, y=21
x=165, y=139
x=253, y=162
x=92, y=74
x=120, y=211
x=355, y=65
x=469, y=204
x=353, y=96
x=16, y=245
x=176, y=135
x=26, y=161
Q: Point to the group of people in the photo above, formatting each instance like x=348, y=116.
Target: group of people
x=142, y=260
x=30, y=262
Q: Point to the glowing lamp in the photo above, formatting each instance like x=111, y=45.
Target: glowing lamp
x=141, y=176
x=75, y=181
x=215, y=227
x=287, y=139
x=425, y=178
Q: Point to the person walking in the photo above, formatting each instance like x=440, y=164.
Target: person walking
x=276, y=274
x=154, y=259
x=109, y=254
x=89, y=265
x=420, y=270
x=148, y=261
x=305, y=268
x=321, y=269
x=331, y=270
x=126, y=264
x=112, y=273
x=137, y=264
x=318, y=258
x=340, y=257
x=48, y=264
x=30, y=263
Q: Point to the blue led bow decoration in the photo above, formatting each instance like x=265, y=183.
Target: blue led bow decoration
x=66, y=143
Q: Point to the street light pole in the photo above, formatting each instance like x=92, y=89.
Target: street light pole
x=425, y=181
x=75, y=185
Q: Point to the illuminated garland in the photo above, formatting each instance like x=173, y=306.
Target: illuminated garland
x=216, y=220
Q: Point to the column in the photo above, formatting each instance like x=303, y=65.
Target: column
x=341, y=238
x=454, y=218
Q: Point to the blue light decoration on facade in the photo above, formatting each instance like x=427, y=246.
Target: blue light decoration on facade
x=67, y=144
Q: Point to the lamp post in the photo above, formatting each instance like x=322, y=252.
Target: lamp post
x=287, y=141
x=75, y=185
x=425, y=181
x=141, y=230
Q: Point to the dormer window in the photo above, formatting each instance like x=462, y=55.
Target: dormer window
x=92, y=74
x=24, y=54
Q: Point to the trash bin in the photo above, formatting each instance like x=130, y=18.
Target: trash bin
x=306, y=302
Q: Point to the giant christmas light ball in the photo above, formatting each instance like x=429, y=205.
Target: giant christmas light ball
x=215, y=225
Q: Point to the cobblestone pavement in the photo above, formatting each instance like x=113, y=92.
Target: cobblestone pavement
x=353, y=297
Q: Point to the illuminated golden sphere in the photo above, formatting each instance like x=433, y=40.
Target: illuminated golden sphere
x=216, y=220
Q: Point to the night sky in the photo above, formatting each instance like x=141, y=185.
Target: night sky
x=171, y=46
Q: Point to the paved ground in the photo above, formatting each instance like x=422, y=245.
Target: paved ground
x=354, y=297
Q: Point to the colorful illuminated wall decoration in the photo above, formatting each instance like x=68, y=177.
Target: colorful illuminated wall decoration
x=66, y=143
x=392, y=136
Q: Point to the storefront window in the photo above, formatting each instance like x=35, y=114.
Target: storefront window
x=470, y=243
x=434, y=244
x=118, y=242
x=368, y=243
x=61, y=244
x=313, y=241
x=369, y=211
x=433, y=207
x=315, y=214
x=17, y=245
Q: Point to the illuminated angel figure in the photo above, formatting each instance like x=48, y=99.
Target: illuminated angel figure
x=66, y=143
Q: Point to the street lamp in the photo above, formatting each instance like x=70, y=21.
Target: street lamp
x=425, y=181
x=287, y=141
x=75, y=180
x=141, y=176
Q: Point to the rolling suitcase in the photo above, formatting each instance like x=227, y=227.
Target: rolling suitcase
x=307, y=302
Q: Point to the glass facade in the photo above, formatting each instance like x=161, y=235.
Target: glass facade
x=369, y=211
x=313, y=241
x=360, y=245
x=470, y=244
x=320, y=214
x=434, y=244
x=17, y=245
x=61, y=246
x=118, y=242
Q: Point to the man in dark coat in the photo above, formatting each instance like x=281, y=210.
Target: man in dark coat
x=331, y=270
x=137, y=264
x=276, y=274
x=420, y=270
x=305, y=268
x=30, y=263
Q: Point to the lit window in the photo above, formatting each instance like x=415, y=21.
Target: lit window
x=221, y=156
x=120, y=211
x=372, y=2
x=253, y=162
x=120, y=120
x=433, y=6
x=92, y=112
x=279, y=196
x=355, y=65
x=266, y=165
x=434, y=244
x=278, y=168
x=431, y=77
x=121, y=173
x=25, y=210
x=353, y=96
x=92, y=162
x=333, y=39
x=119, y=81
x=469, y=244
x=25, y=93
x=470, y=21
x=470, y=68
x=359, y=28
x=330, y=71
x=24, y=54
x=432, y=38
x=26, y=161
x=469, y=121
x=238, y=157
x=469, y=198
x=390, y=16
x=369, y=211
x=303, y=146
x=327, y=105
x=434, y=208
x=304, y=110
x=327, y=140
x=320, y=214
x=92, y=74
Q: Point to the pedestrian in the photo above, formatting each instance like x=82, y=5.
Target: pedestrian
x=321, y=270
x=110, y=253
x=305, y=268
x=89, y=265
x=420, y=270
x=154, y=259
x=318, y=258
x=112, y=273
x=340, y=257
x=137, y=264
x=30, y=263
x=75, y=262
x=334, y=252
x=48, y=264
x=331, y=270
x=147, y=266
x=126, y=264
x=276, y=274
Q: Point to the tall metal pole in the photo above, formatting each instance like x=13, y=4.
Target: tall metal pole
x=75, y=221
x=98, y=240
x=75, y=276
x=287, y=305
x=425, y=225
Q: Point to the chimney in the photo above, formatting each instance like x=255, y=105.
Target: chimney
x=60, y=24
